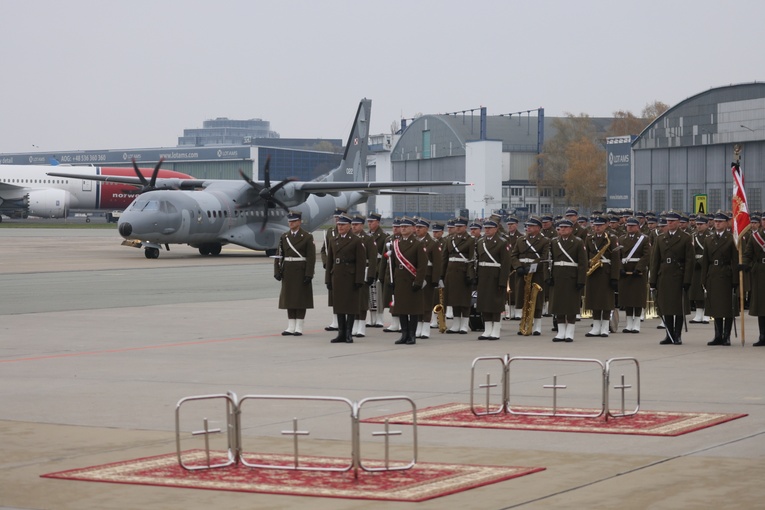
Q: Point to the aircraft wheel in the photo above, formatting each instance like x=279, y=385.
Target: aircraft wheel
x=215, y=249
x=204, y=250
x=151, y=253
x=271, y=252
x=87, y=220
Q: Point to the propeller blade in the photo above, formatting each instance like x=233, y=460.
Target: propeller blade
x=249, y=181
x=265, y=217
x=156, y=172
x=139, y=174
x=267, y=172
x=280, y=204
x=283, y=183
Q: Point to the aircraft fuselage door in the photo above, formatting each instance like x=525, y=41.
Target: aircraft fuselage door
x=87, y=185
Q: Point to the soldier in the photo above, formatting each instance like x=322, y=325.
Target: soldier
x=512, y=236
x=527, y=258
x=696, y=292
x=376, y=306
x=459, y=273
x=572, y=215
x=603, y=276
x=475, y=230
x=438, y=237
x=432, y=276
x=385, y=272
x=344, y=276
x=330, y=234
x=719, y=274
x=754, y=264
x=370, y=272
x=672, y=261
x=493, y=255
x=633, y=276
x=567, y=279
x=294, y=267
x=754, y=226
x=548, y=230
x=410, y=264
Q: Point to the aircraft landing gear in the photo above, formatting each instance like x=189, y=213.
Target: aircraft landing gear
x=271, y=252
x=210, y=249
x=151, y=253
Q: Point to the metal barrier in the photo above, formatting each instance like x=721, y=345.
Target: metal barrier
x=235, y=454
x=506, y=407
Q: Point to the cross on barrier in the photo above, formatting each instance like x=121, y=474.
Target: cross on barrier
x=604, y=387
x=235, y=454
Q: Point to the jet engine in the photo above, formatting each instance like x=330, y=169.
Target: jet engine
x=48, y=203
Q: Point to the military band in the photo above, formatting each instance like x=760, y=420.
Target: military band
x=611, y=262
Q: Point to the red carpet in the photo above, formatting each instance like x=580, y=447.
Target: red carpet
x=424, y=481
x=649, y=423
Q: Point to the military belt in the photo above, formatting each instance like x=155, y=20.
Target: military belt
x=700, y=256
x=490, y=264
x=294, y=259
x=718, y=262
x=626, y=261
x=564, y=263
x=527, y=261
x=458, y=259
x=345, y=261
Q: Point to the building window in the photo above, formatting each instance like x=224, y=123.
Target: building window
x=560, y=192
x=715, y=200
x=545, y=208
x=532, y=208
x=677, y=200
x=545, y=192
x=531, y=192
x=642, y=200
x=516, y=192
x=659, y=199
x=426, y=144
x=754, y=199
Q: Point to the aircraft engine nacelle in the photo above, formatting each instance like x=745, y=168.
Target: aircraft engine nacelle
x=48, y=203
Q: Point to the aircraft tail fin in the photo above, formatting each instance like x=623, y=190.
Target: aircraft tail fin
x=354, y=163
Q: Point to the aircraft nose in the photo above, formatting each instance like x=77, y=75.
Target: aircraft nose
x=125, y=229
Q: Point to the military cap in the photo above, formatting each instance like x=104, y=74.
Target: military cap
x=373, y=216
x=340, y=210
x=640, y=214
x=438, y=227
x=407, y=221
x=572, y=212
x=632, y=221
x=533, y=220
x=476, y=224
x=358, y=220
x=450, y=223
x=344, y=218
x=672, y=216
x=582, y=219
x=651, y=219
x=460, y=221
x=547, y=217
x=511, y=219
x=294, y=216
x=490, y=223
x=721, y=216
x=422, y=222
x=396, y=221
x=599, y=220
x=662, y=221
x=564, y=223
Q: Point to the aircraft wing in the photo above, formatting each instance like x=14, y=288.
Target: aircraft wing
x=334, y=187
x=135, y=181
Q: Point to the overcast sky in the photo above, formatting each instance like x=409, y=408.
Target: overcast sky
x=98, y=74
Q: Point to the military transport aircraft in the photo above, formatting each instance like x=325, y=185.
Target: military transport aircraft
x=207, y=214
x=28, y=190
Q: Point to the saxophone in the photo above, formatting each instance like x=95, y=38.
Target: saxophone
x=530, y=293
x=440, y=311
x=597, y=260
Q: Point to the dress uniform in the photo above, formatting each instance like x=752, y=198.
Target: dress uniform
x=459, y=256
x=633, y=276
x=528, y=257
x=344, y=276
x=440, y=239
x=672, y=260
x=567, y=278
x=294, y=267
x=602, y=250
x=754, y=264
x=696, y=292
x=357, y=228
x=432, y=277
x=719, y=275
x=330, y=234
x=376, y=305
x=493, y=270
x=512, y=236
x=385, y=276
x=409, y=261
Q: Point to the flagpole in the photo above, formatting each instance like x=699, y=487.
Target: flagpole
x=737, y=159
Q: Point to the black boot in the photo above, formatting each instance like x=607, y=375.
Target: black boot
x=340, y=338
x=678, y=330
x=413, y=321
x=669, y=327
x=727, y=327
x=404, y=330
x=349, y=320
x=718, y=339
x=761, y=341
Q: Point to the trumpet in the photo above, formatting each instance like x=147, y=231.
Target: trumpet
x=440, y=311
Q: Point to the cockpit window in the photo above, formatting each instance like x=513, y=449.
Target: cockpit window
x=151, y=205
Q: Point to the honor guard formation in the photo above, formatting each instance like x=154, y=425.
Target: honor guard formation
x=478, y=274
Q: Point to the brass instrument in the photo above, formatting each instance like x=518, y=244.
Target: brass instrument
x=440, y=311
x=530, y=293
x=597, y=260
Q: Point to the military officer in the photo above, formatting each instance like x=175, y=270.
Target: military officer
x=344, y=276
x=370, y=272
x=385, y=273
x=696, y=293
x=432, y=277
x=512, y=235
x=672, y=261
x=409, y=261
x=330, y=234
x=754, y=265
x=438, y=237
x=572, y=215
x=633, y=276
x=528, y=258
x=459, y=272
x=567, y=279
x=294, y=267
x=719, y=275
x=603, y=276
x=493, y=255
x=378, y=236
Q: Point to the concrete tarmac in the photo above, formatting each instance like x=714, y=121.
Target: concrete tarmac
x=98, y=344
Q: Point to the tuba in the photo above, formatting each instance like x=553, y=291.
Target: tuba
x=530, y=293
x=597, y=260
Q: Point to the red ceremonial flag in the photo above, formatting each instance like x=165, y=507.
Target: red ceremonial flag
x=740, y=209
